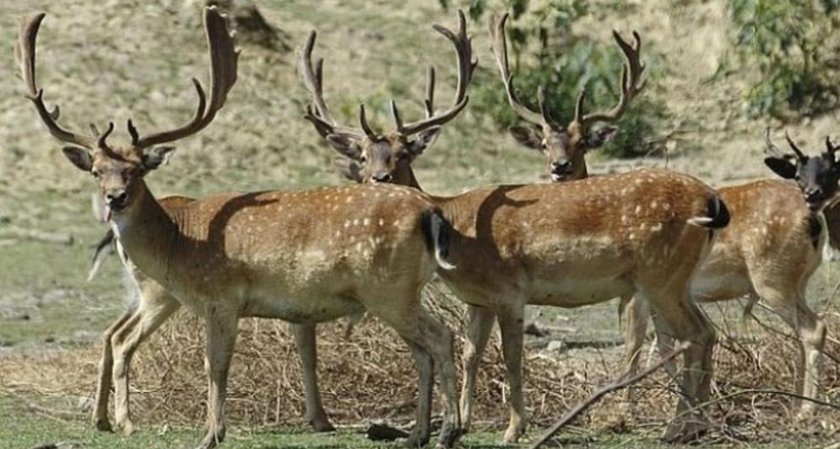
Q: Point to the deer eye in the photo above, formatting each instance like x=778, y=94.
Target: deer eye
x=95, y=173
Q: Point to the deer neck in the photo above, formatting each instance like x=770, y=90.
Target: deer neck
x=147, y=234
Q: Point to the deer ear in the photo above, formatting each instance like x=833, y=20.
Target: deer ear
x=601, y=136
x=154, y=157
x=345, y=145
x=424, y=140
x=528, y=136
x=349, y=168
x=781, y=166
x=80, y=157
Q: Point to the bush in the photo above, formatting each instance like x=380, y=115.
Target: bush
x=789, y=41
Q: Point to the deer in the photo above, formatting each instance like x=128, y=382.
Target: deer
x=132, y=328
x=261, y=254
x=771, y=247
x=561, y=244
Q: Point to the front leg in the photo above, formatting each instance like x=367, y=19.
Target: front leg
x=222, y=326
x=307, y=351
x=479, y=325
x=104, y=383
x=511, y=322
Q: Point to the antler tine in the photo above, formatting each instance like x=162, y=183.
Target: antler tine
x=364, y=123
x=770, y=146
x=466, y=65
x=499, y=43
x=631, y=72
x=223, y=67
x=430, y=92
x=25, y=53
x=793, y=146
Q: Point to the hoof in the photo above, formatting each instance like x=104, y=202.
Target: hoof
x=685, y=432
x=321, y=425
x=103, y=425
x=448, y=438
x=513, y=433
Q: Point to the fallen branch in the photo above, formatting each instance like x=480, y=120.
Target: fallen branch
x=595, y=397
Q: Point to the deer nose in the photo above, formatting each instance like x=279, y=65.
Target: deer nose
x=561, y=167
x=813, y=193
x=116, y=198
x=382, y=177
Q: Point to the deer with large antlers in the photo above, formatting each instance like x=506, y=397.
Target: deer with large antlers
x=565, y=245
x=304, y=256
x=771, y=247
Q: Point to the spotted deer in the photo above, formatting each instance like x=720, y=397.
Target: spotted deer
x=563, y=244
x=301, y=256
x=771, y=247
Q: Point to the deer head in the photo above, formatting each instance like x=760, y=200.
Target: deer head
x=370, y=156
x=119, y=170
x=565, y=146
x=817, y=176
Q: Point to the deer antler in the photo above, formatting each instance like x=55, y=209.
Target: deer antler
x=631, y=72
x=466, y=66
x=25, y=55
x=317, y=112
x=499, y=42
x=223, y=64
x=793, y=147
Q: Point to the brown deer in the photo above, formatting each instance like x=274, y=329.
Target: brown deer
x=302, y=256
x=771, y=247
x=154, y=306
x=150, y=307
x=566, y=245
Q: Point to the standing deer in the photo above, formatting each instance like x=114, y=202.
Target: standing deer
x=154, y=306
x=303, y=256
x=566, y=245
x=771, y=247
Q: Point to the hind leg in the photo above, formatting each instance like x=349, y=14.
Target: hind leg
x=678, y=317
x=479, y=327
x=791, y=306
x=414, y=324
x=307, y=351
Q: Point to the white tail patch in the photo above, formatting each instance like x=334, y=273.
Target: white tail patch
x=699, y=221
x=436, y=224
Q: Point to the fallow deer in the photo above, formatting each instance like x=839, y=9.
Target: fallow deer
x=771, y=247
x=565, y=245
x=302, y=256
x=154, y=305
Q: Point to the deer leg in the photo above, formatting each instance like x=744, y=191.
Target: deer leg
x=638, y=315
x=511, y=322
x=792, y=307
x=307, y=351
x=155, y=308
x=421, y=433
x=479, y=326
x=678, y=317
x=222, y=325
x=104, y=383
x=430, y=338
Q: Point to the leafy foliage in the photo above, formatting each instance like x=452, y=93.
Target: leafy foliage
x=790, y=43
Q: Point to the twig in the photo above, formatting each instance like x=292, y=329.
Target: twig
x=616, y=385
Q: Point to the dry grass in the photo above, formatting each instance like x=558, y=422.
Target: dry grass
x=371, y=376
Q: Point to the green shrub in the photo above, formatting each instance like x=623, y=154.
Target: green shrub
x=789, y=42
x=543, y=51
